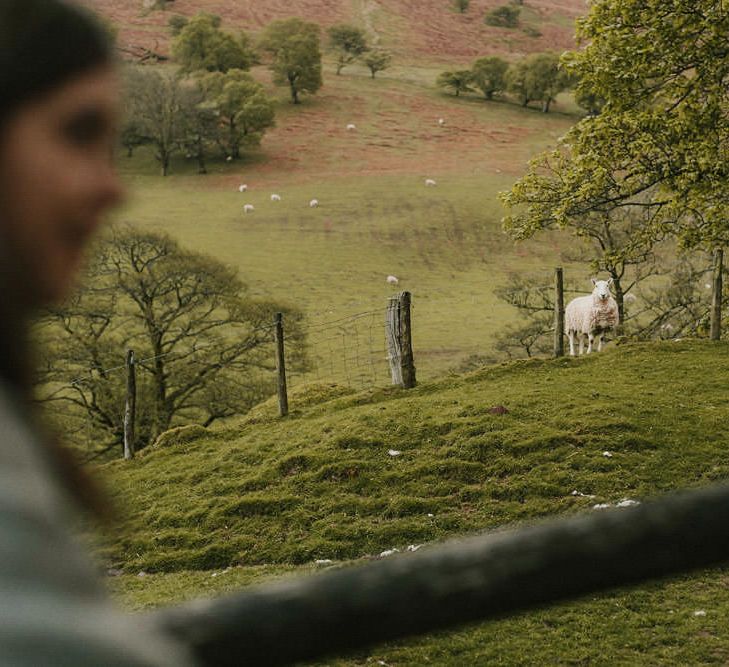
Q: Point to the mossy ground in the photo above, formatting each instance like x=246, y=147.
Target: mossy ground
x=268, y=495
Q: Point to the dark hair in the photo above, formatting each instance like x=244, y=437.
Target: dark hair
x=43, y=44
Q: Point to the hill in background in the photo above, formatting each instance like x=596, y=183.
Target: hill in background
x=415, y=30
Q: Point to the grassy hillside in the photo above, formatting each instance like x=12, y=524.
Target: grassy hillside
x=267, y=496
x=422, y=29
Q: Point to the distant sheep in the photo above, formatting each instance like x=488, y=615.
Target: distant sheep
x=430, y=182
x=313, y=203
x=591, y=316
x=248, y=208
x=275, y=197
x=441, y=122
x=392, y=280
x=351, y=126
x=229, y=158
x=242, y=188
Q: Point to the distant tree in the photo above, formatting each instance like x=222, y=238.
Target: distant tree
x=546, y=78
x=132, y=135
x=200, y=125
x=295, y=47
x=489, y=75
x=202, y=343
x=458, y=81
x=243, y=109
x=156, y=107
x=537, y=77
x=349, y=43
x=461, y=5
x=202, y=45
x=377, y=61
x=517, y=82
x=506, y=16
x=176, y=24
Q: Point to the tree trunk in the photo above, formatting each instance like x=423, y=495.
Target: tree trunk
x=294, y=91
x=526, y=102
x=619, y=299
x=545, y=105
x=373, y=73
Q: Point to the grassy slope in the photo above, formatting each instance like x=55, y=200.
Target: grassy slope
x=269, y=494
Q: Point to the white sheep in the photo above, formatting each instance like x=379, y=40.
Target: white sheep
x=248, y=208
x=591, y=315
x=275, y=197
x=351, y=126
x=430, y=182
x=392, y=280
x=242, y=188
x=441, y=122
x=313, y=203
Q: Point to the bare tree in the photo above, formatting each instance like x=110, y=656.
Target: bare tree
x=204, y=346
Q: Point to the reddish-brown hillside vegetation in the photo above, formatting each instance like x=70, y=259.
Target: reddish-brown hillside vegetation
x=428, y=29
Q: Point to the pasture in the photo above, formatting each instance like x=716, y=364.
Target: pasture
x=266, y=497
x=376, y=216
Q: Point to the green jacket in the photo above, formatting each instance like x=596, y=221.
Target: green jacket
x=53, y=608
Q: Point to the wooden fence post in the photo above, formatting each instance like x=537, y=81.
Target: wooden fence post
x=399, y=340
x=130, y=408
x=558, y=313
x=406, y=342
x=283, y=399
x=717, y=289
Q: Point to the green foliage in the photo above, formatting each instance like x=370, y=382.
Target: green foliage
x=176, y=24
x=203, y=345
x=658, y=72
x=457, y=82
x=506, y=16
x=489, y=75
x=349, y=43
x=294, y=46
x=202, y=45
x=537, y=77
x=377, y=61
x=461, y=5
x=241, y=106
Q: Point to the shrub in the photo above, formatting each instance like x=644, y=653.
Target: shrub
x=505, y=16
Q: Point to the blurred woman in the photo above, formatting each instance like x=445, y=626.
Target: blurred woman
x=58, y=122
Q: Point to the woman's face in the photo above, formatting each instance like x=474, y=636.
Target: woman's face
x=56, y=181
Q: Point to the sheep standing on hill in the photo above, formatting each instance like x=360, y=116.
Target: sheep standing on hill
x=248, y=208
x=313, y=203
x=591, y=316
x=275, y=197
x=430, y=182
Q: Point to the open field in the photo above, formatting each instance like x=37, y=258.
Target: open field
x=270, y=496
x=376, y=217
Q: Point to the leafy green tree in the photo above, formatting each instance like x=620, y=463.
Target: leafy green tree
x=200, y=125
x=489, y=75
x=461, y=5
x=295, y=47
x=506, y=16
x=243, y=109
x=456, y=81
x=377, y=61
x=661, y=69
x=203, y=345
x=537, y=77
x=155, y=106
x=202, y=45
x=349, y=43
x=176, y=24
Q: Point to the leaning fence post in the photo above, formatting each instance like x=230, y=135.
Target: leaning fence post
x=558, y=313
x=130, y=408
x=283, y=399
x=717, y=289
x=406, y=343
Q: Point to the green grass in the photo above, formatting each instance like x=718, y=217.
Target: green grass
x=376, y=216
x=267, y=496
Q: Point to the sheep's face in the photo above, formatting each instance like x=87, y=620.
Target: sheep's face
x=601, y=289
